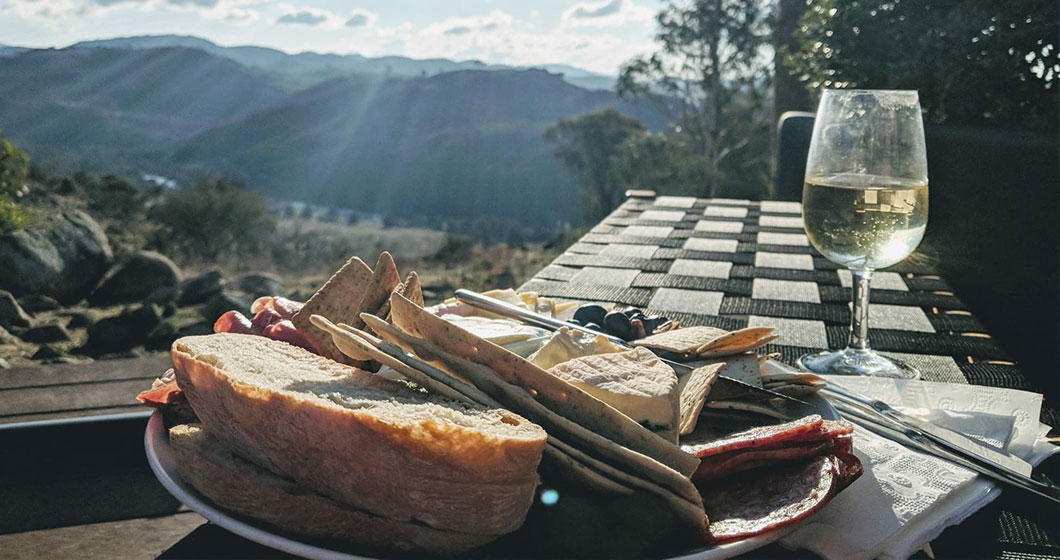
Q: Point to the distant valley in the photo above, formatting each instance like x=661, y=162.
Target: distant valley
x=415, y=140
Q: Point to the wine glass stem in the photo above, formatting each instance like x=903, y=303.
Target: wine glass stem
x=859, y=317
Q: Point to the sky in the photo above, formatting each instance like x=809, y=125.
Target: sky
x=597, y=35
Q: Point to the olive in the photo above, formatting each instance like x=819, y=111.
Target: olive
x=617, y=324
x=632, y=312
x=590, y=314
x=593, y=326
x=637, y=329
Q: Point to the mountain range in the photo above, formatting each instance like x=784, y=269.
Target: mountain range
x=395, y=136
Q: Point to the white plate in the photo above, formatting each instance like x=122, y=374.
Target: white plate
x=164, y=464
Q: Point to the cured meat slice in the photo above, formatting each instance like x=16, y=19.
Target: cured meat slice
x=801, y=439
x=754, y=502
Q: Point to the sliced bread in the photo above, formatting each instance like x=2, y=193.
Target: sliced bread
x=365, y=441
x=247, y=489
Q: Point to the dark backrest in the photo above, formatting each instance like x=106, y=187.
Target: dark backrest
x=994, y=228
x=793, y=143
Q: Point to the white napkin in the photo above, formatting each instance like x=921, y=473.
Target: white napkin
x=904, y=499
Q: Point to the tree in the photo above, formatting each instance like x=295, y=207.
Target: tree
x=977, y=62
x=660, y=162
x=213, y=219
x=714, y=61
x=585, y=146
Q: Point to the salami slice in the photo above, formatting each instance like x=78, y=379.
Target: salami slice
x=754, y=502
x=807, y=428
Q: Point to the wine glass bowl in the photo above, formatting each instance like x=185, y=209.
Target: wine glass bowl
x=865, y=204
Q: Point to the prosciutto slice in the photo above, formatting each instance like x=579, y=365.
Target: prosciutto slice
x=754, y=502
x=804, y=438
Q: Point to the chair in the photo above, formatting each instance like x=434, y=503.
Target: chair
x=793, y=143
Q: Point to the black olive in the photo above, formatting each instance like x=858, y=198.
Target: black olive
x=593, y=326
x=618, y=324
x=632, y=312
x=590, y=314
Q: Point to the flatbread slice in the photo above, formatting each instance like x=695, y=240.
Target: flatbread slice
x=555, y=394
x=385, y=278
x=339, y=300
x=413, y=290
x=694, y=388
x=685, y=341
x=737, y=342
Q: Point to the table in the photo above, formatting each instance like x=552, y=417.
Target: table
x=726, y=263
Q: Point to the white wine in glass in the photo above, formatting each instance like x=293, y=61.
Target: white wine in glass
x=865, y=205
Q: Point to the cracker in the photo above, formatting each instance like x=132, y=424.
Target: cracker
x=384, y=278
x=685, y=341
x=694, y=387
x=338, y=300
x=413, y=290
x=737, y=342
x=557, y=395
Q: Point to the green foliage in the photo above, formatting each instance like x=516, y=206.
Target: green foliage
x=108, y=196
x=585, y=145
x=214, y=219
x=14, y=168
x=12, y=216
x=714, y=62
x=661, y=162
x=973, y=61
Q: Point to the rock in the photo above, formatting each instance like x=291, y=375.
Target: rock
x=261, y=284
x=122, y=332
x=45, y=333
x=8, y=338
x=225, y=301
x=164, y=295
x=196, y=329
x=4, y=364
x=47, y=352
x=62, y=256
x=11, y=313
x=35, y=303
x=198, y=289
x=162, y=337
x=137, y=278
x=79, y=319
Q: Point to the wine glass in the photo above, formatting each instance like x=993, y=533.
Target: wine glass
x=865, y=205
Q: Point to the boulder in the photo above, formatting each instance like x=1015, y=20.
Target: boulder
x=36, y=303
x=136, y=279
x=8, y=338
x=198, y=289
x=162, y=337
x=122, y=332
x=79, y=318
x=223, y=302
x=45, y=333
x=196, y=329
x=164, y=295
x=261, y=284
x=47, y=352
x=11, y=313
x=62, y=256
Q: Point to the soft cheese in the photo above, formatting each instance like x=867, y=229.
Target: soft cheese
x=636, y=383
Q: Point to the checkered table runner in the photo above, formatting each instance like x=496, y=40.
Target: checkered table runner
x=736, y=263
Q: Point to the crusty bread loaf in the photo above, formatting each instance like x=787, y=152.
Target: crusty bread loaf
x=244, y=488
x=362, y=440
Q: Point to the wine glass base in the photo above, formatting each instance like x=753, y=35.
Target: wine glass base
x=856, y=361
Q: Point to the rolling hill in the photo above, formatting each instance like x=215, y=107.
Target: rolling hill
x=459, y=144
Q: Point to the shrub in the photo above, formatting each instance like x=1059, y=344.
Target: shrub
x=216, y=218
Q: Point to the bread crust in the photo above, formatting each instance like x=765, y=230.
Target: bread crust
x=421, y=470
x=244, y=488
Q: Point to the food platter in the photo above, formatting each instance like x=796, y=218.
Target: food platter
x=163, y=463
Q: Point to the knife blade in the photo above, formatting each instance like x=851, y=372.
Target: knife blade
x=792, y=407
x=944, y=437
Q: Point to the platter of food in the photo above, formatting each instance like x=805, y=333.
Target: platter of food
x=364, y=424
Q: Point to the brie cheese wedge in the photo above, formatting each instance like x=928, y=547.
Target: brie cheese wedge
x=636, y=383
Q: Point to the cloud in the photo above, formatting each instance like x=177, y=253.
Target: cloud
x=609, y=13
x=302, y=17
x=361, y=18
x=458, y=30
x=193, y=3
x=590, y=11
